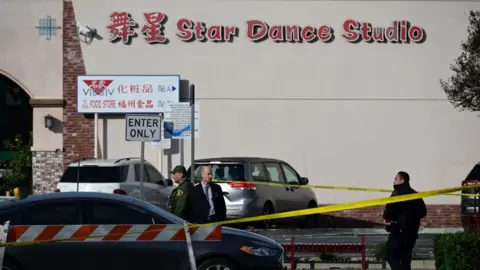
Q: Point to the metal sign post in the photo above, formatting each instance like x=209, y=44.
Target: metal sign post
x=191, y=255
x=78, y=173
x=143, y=128
x=192, y=125
x=3, y=240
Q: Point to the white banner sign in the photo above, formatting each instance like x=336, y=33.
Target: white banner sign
x=126, y=94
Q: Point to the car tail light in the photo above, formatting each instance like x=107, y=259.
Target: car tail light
x=242, y=185
x=119, y=191
x=57, y=190
x=469, y=182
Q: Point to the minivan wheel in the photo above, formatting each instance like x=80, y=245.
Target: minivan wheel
x=270, y=223
x=217, y=264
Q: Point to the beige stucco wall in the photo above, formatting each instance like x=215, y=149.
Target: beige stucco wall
x=340, y=113
x=32, y=61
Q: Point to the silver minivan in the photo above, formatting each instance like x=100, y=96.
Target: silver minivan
x=246, y=196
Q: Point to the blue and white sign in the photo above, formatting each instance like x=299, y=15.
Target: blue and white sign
x=179, y=114
x=126, y=94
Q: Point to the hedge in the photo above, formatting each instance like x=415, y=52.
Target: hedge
x=459, y=251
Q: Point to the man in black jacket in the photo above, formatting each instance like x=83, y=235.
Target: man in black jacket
x=402, y=220
x=211, y=206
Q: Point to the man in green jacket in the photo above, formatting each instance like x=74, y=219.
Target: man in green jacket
x=182, y=200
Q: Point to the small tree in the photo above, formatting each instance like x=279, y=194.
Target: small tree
x=20, y=164
x=463, y=88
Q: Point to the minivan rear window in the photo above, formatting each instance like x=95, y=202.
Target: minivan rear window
x=474, y=174
x=95, y=174
x=223, y=171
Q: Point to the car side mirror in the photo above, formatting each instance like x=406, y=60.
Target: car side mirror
x=169, y=182
x=304, y=181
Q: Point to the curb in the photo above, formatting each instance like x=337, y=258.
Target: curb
x=424, y=231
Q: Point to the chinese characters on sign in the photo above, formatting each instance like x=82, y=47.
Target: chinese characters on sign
x=126, y=94
x=123, y=24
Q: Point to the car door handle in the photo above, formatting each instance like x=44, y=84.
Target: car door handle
x=158, y=191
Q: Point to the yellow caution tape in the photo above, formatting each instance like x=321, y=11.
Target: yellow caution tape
x=310, y=211
x=347, y=206
x=336, y=187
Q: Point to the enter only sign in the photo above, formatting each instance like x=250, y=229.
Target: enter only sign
x=145, y=128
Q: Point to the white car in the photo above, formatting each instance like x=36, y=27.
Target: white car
x=118, y=176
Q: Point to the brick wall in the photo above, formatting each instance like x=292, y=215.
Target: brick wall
x=447, y=216
x=78, y=130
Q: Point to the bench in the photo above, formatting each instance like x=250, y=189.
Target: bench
x=325, y=248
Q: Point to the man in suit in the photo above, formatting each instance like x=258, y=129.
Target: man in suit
x=212, y=206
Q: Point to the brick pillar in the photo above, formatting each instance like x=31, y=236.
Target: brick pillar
x=78, y=130
x=47, y=168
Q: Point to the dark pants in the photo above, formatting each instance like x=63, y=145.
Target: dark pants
x=215, y=218
x=399, y=250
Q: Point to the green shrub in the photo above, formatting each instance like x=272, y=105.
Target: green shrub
x=379, y=252
x=457, y=251
x=20, y=165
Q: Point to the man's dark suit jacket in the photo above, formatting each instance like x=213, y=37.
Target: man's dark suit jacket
x=204, y=205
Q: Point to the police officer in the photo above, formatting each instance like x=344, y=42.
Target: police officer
x=402, y=220
x=182, y=198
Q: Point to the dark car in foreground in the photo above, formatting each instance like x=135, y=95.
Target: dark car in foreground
x=238, y=250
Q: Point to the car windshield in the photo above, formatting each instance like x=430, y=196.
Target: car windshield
x=222, y=171
x=160, y=212
x=94, y=174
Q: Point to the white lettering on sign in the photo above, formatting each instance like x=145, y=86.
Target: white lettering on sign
x=143, y=127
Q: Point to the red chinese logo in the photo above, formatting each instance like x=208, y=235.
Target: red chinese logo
x=98, y=85
x=121, y=27
x=152, y=30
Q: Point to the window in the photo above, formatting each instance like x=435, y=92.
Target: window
x=95, y=174
x=137, y=173
x=258, y=172
x=274, y=172
x=290, y=175
x=228, y=171
x=117, y=213
x=153, y=175
x=474, y=173
x=53, y=213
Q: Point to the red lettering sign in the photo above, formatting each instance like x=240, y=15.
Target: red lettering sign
x=399, y=32
x=121, y=27
x=189, y=31
x=258, y=31
x=152, y=30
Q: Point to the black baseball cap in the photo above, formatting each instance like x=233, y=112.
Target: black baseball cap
x=179, y=169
